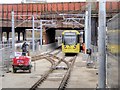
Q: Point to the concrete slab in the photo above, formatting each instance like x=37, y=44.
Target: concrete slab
x=81, y=76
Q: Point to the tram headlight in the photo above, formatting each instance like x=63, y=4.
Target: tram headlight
x=74, y=47
x=65, y=47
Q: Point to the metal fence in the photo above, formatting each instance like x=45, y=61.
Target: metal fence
x=5, y=60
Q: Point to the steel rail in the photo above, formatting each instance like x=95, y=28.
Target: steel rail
x=50, y=58
x=67, y=75
x=40, y=56
x=45, y=75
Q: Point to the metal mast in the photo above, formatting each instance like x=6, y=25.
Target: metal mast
x=13, y=34
x=102, y=44
x=33, y=35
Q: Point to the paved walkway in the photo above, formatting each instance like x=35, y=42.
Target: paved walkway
x=82, y=76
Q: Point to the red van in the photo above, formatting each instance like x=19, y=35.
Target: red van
x=22, y=63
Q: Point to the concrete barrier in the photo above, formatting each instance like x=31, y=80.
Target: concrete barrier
x=44, y=48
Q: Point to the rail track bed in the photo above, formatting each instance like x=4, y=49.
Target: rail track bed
x=58, y=74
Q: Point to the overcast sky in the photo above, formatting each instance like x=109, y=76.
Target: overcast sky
x=19, y=1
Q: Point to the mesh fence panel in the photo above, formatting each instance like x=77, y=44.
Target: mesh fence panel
x=5, y=60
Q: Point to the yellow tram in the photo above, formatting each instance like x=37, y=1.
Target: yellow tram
x=70, y=41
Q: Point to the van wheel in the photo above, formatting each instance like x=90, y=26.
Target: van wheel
x=66, y=54
x=14, y=70
x=29, y=70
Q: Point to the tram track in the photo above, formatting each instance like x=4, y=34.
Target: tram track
x=41, y=56
x=50, y=57
x=64, y=82
x=46, y=74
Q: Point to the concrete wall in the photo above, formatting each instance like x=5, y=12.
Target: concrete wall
x=49, y=47
x=58, y=33
x=45, y=48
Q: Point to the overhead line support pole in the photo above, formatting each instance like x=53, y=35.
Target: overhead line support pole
x=41, y=34
x=13, y=34
x=102, y=45
x=89, y=25
x=33, y=34
x=86, y=29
